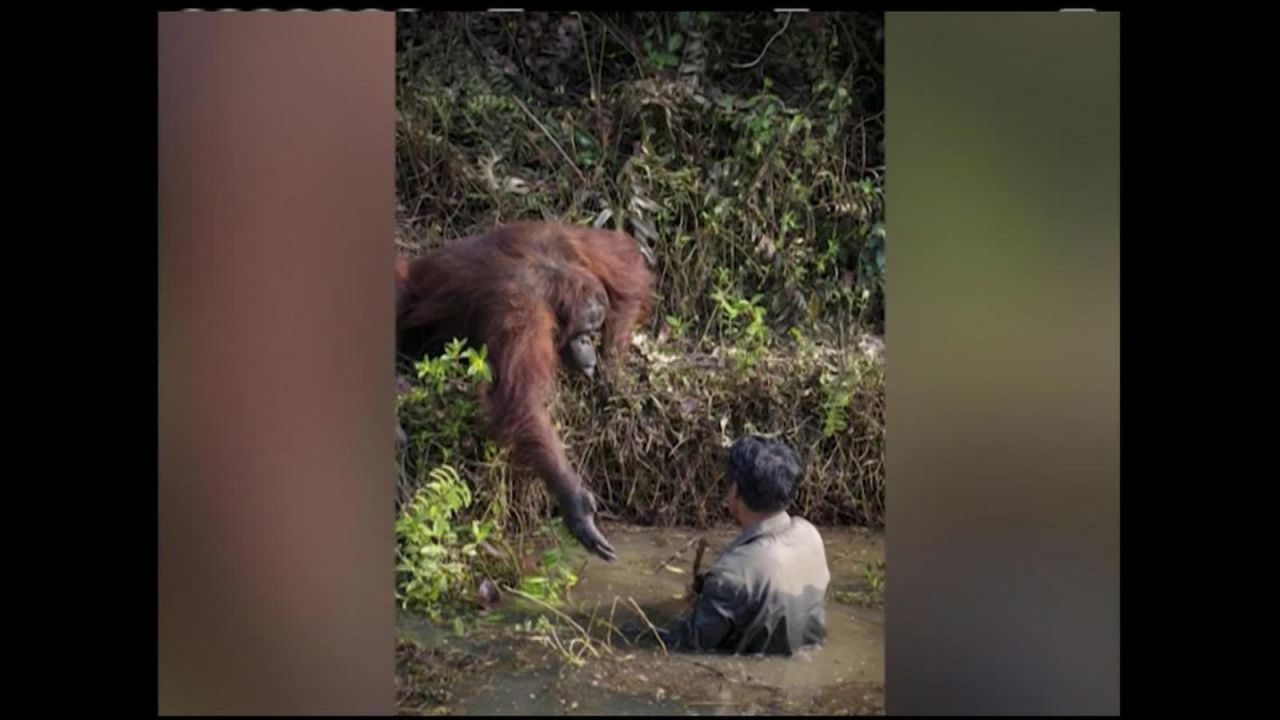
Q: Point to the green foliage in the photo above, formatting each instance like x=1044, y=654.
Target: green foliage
x=554, y=576
x=534, y=625
x=747, y=158
x=440, y=528
x=873, y=577
x=839, y=393
x=434, y=552
x=440, y=564
x=648, y=122
x=659, y=56
x=803, y=343
x=553, y=579
x=677, y=325
x=442, y=409
x=743, y=323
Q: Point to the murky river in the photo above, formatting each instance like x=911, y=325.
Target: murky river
x=509, y=675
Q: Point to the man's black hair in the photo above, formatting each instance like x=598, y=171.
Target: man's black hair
x=766, y=472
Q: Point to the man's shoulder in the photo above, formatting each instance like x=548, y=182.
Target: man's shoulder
x=803, y=528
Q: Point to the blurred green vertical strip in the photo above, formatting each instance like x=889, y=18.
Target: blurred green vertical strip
x=1003, y=393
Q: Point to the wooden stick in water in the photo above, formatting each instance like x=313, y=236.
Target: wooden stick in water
x=697, y=559
x=678, y=553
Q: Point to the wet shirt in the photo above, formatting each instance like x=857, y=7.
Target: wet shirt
x=765, y=593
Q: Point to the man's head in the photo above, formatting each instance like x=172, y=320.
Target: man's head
x=763, y=475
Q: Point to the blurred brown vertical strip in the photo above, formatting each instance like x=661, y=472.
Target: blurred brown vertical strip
x=276, y=183
x=1003, y=387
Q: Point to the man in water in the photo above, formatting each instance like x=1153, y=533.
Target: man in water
x=765, y=594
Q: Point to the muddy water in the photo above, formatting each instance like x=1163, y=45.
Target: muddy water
x=518, y=677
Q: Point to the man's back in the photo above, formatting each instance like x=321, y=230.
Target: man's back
x=764, y=594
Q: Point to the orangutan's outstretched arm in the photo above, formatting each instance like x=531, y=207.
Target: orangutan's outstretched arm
x=524, y=374
x=543, y=451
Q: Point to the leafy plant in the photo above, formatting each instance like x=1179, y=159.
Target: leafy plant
x=442, y=410
x=555, y=575
x=839, y=391
x=677, y=325
x=874, y=574
x=744, y=322
x=435, y=554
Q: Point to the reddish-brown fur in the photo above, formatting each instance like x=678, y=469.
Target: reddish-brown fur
x=520, y=290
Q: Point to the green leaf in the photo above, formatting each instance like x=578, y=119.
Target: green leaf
x=674, y=42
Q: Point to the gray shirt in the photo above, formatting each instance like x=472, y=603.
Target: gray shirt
x=765, y=593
